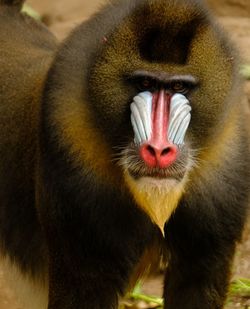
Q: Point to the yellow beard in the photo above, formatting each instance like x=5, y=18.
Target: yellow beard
x=157, y=197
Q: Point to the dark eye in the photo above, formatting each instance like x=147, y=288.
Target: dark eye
x=145, y=83
x=179, y=86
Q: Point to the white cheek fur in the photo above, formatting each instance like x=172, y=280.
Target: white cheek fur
x=179, y=117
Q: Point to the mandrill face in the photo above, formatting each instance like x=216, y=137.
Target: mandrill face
x=155, y=155
x=157, y=161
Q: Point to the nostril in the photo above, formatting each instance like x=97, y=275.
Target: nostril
x=165, y=151
x=151, y=150
x=148, y=155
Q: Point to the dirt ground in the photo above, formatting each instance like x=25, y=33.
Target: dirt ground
x=234, y=15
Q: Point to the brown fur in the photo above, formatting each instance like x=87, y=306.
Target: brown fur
x=82, y=222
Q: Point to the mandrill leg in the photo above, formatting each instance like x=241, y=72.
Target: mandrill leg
x=198, y=273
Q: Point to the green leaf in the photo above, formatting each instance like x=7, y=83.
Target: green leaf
x=31, y=12
x=240, y=287
x=148, y=298
x=245, y=71
x=138, y=295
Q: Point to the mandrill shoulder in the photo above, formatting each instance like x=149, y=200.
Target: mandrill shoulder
x=27, y=45
x=220, y=182
x=26, y=52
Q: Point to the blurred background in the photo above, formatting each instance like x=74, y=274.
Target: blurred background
x=62, y=15
x=234, y=15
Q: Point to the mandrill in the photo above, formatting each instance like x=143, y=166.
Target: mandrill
x=124, y=143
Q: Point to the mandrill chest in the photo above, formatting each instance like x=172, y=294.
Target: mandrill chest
x=157, y=162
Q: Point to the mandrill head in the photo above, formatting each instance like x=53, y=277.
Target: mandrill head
x=156, y=79
x=159, y=86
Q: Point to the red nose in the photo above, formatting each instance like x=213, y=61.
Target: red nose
x=158, y=155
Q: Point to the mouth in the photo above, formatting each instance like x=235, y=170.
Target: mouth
x=157, y=174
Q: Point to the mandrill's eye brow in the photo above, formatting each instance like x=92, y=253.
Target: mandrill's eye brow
x=175, y=83
x=180, y=86
x=143, y=83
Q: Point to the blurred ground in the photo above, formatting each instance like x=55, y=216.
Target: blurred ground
x=63, y=15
